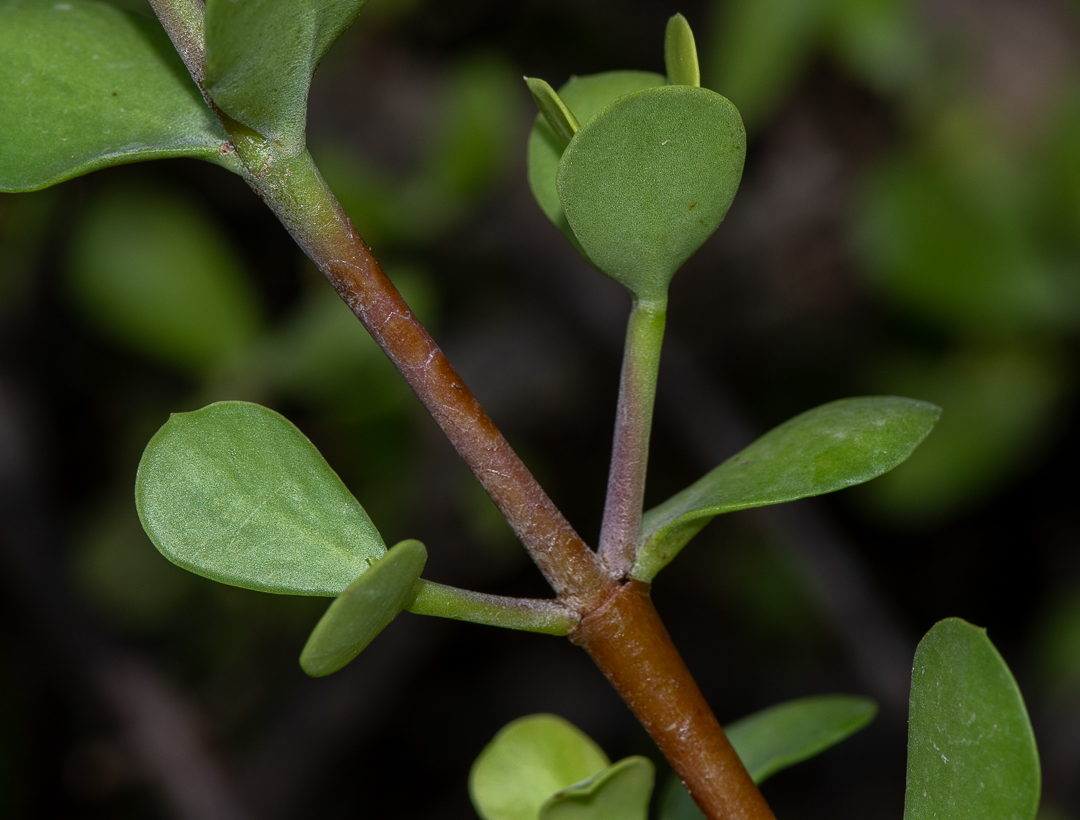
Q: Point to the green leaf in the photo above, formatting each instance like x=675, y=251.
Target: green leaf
x=619, y=792
x=680, y=53
x=584, y=96
x=87, y=86
x=971, y=751
x=527, y=762
x=791, y=732
x=778, y=737
x=364, y=609
x=261, y=55
x=234, y=492
x=558, y=116
x=157, y=274
x=648, y=179
x=828, y=448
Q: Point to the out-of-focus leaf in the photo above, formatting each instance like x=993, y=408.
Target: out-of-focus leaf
x=364, y=609
x=998, y=405
x=124, y=580
x=86, y=86
x=648, y=179
x=153, y=272
x=474, y=136
x=831, y=447
x=877, y=40
x=971, y=751
x=584, y=96
x=1058, y=642
x=957, y=252
x=791, y=732
x=758, y=51
x=778, y=737
x=261, y=55
x=234, y=492
x=527, y=762
x=619, y=792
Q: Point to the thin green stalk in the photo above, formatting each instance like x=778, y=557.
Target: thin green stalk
x=527, y=614
x=620, y=532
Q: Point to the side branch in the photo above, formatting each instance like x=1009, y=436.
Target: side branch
x=628, y=642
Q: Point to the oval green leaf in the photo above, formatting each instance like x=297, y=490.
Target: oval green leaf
x=584, y=96
x=364, y=609
x=261, y=55
x=647, y=180
x=779, y=737
x=87, y=86
x=971, y=750
x=155, y=273
x=619, y=792
x=234, y=492
x=527, y=762
x=831, y=447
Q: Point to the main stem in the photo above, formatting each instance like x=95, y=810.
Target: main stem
x=619, y=627
x=620, y=532
x=628, y=642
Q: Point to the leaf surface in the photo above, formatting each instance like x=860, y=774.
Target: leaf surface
x=584, y=96
x=85, y=86
x=234, y=492
x=778, y=737
x=971, y=750
x=619, y=792
x=155, y=273
x=364, y=609
x=648, y=179
x=831, y=447
x=261, y=55
x=527, y=762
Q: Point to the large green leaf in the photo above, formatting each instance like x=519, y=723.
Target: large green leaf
x=364, y=609
x=971, y=751
x=84, y=86
x=828, y=448
x=157, y=274
x=527, y=762
x=261, y=55
x=584, y=96
x=236, y=493
x=648, y=179
x=778, y=737
x=619, y=792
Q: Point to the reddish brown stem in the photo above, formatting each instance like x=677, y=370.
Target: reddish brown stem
x=627, y=640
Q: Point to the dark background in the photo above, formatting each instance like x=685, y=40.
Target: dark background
x=908, y=223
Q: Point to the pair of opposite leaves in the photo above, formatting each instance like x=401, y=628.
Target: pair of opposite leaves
x=971, y=749
x=236, y=493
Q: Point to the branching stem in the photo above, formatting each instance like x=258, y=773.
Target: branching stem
x=620, y=533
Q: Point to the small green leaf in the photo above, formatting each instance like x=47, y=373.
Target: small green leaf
x=87, y=86
x=680, y=53
x=527, y=762
x=364, y=609
x=261, y=55
x=971, y=751
x=791, y=732
x=234, y=492
x=558, y=116
x=778, y=737
x=648, y=179
x=828, y=448
x=619, y=792
x=157, y=274
x=584, y=96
